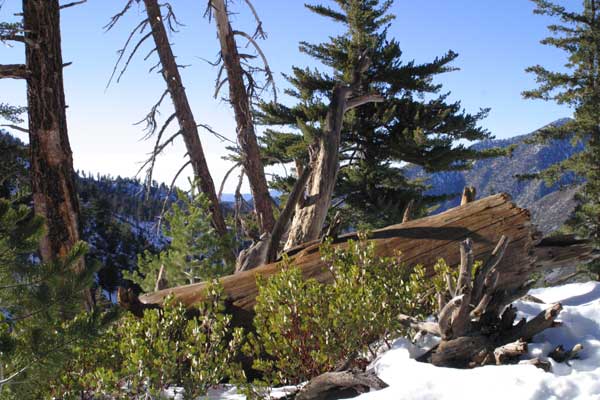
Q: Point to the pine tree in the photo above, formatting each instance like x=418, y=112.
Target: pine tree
x=578, y=87
x=42, y=317
x=13, y=167
x=417, y=123
x=196, y=252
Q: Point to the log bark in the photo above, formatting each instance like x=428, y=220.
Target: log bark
x=183, y=112
x=52, y=174
x=246, y=135
x=422, y=241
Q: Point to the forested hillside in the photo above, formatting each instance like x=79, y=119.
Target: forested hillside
x=550, y=202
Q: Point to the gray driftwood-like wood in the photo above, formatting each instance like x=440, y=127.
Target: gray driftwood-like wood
x=474, y=326
x=421, y=241
x=310, y=215
x=246, y=135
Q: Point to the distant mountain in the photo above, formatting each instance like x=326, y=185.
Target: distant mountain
x=550, y=206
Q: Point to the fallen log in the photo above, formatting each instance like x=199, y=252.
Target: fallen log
x=421, y=241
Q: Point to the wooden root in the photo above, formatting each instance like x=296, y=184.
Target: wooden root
x=559, y=354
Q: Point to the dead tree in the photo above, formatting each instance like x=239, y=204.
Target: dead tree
x=476, y=320
x=423, y=241
x=311, y=213
x=239, y=97
x=52, y=174
x=175, y=89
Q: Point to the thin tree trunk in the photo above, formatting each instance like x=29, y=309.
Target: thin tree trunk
x=246, y=136
x=52, y=174
x=183, y=111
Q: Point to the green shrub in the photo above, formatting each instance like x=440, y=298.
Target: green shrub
x=169, y=347
x=305, y=328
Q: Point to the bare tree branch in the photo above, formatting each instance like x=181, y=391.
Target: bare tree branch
x=141, y=26
x=164, y=206
x=267, y=68
x=15, y=127
x=135, y=49
x=259, y=30
x=115, y=18
x=150, y=118
x=359, y=101
x=14, y=71
x=225, y=179
x=217, y=134
x=75, y=3
x=12, y=37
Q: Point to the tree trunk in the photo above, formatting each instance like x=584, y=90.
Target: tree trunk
x=324, y=159
x=246, y=136
x=183, y=111
x=421, y=241
x=52, y=174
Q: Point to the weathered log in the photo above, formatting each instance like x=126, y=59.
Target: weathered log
x=421, y=241
x=336, y=385
x=510, y=351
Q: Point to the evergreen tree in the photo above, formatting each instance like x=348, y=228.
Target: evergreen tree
x=417, y=123
x=41, y=317
x=196, y=252
x=578, y=86
x=13, y=167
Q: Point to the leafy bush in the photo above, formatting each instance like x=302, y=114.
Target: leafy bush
x=196, y=252
x=167, y=348
x=306, y=328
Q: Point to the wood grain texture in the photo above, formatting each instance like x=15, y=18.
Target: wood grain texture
x=421, y=241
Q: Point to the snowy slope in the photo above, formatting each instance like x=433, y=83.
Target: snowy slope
x=411, y=380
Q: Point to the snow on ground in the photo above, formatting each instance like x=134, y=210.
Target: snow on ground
x=411, y=380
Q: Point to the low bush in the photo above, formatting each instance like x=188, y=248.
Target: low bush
x=305, y=328
x=139, y=358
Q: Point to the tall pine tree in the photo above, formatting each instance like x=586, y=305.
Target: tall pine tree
x=577, y=86
x=417, y=123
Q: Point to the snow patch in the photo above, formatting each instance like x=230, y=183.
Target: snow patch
x=412, y=380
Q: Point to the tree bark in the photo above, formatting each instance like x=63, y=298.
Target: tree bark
x=183, y=111
x=13, y=71
x=52, y=174
x=324, y=158
x=246, y=136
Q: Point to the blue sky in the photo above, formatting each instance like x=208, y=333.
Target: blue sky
x=496, y=41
